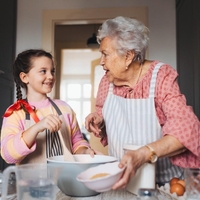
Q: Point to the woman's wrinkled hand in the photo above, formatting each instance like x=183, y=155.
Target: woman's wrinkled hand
x=132, y=160
x=94, y=123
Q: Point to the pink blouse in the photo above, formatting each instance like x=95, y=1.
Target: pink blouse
x=175, y=117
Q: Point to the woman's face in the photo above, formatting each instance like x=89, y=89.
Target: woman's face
x=113, y=63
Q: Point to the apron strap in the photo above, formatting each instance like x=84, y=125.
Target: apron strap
x=153, y=80
x=27, y=116
x=56, y=107
x=110, y=89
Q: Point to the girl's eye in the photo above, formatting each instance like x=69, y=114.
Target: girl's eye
x=53, y=71
x=43, y=71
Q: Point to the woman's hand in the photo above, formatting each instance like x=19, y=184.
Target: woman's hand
x=164, y=147
x=94, y=123
x=132, y=160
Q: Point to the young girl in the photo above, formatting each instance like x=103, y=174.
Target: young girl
x=38, y=127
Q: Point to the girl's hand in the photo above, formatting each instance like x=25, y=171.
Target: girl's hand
x=51, y=122
x=85, y=150
x=94, y=123
x=92, y=152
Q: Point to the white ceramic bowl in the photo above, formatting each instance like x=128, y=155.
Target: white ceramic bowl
x=104, y=183
x=67, y=181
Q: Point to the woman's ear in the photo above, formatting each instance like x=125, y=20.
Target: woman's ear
x=129, y=57
x=24, y=78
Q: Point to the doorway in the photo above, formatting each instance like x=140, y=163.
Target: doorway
x=76, y=80
x=80, y=25
x=76, y=75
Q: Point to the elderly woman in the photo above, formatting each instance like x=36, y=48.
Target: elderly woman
x=139, y=102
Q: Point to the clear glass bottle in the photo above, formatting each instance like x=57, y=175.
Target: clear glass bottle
x=148, y=194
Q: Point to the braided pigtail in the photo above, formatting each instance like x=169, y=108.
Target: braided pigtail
x=19, y=97
x=19, y=92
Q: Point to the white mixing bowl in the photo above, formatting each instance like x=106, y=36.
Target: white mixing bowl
x=67, y=182
x=102, y=177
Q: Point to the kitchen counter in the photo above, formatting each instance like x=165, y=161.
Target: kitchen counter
x=115, y=195
x=109, y=195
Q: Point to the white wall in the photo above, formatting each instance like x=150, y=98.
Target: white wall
x=161, y=22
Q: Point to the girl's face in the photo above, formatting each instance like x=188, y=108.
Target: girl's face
x=113, y=63
x=41, y=77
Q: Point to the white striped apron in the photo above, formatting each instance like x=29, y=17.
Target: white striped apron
x=134, y=121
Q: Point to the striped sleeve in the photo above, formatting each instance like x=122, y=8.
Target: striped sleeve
x=13, y=147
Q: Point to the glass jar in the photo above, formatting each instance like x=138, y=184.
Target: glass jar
x=148, y=194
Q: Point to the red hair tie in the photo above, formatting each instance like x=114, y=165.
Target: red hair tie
x=17, y=106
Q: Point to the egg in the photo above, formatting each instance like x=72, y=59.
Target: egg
x=173, y=181
x=177, y=188
x=182, y=182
